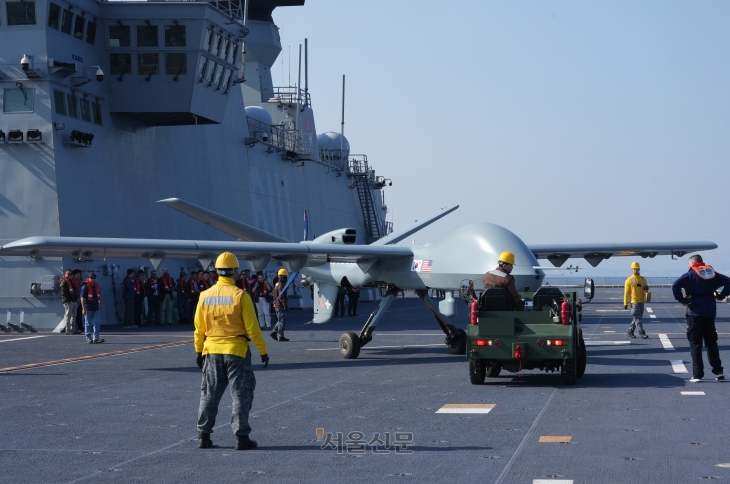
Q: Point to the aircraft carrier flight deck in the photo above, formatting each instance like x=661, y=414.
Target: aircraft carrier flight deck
x=404, y=411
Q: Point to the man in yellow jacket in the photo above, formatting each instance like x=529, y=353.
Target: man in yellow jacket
x=225, y=324
x=636, y=289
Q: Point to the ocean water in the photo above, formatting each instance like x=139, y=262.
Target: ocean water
x=602, y=281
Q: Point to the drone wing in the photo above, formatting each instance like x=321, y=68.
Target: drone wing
x=557, y=254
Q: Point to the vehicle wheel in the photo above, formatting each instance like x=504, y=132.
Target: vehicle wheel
x=459, y=346
x=477, y=371
x=494, y=370
x=580, y=371
x=567, y=371
x=349, y=345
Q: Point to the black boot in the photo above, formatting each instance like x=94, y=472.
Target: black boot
x=244, y=443
x=204, y=440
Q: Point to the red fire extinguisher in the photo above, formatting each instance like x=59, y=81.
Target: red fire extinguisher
x=565, y=312
x=474, y=317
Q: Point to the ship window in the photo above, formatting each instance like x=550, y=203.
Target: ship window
x=217, y=76
x=59, y=99
x=232, y=53
x=206, y=39
x=79, y=28
x=224, y=82
x=148, y=64
x=214, y=44
x=21, y=13
x=147, y=36
x=91, y=33
x=67, y=21
x=222, y=52
x=85, y=110
x=73, y=110
x=119, y=36
x=96, y=107
x=201, y=68
x=18, y=100
x=176, y=63
x=119, y=64
x=53, y=14
x=209, y=71
x=174, y=36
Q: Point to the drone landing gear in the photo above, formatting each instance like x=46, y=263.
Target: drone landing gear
x=455, y=338
x=351, y=342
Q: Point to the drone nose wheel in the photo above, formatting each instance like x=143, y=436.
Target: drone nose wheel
x=350, y=345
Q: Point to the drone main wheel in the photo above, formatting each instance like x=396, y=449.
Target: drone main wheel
x=350, y=345
x=459, y=346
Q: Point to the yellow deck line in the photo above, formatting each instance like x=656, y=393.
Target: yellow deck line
x=89, y=357
x=564, y=439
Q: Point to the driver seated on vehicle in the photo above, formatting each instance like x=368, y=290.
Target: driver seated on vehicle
x=500, y=277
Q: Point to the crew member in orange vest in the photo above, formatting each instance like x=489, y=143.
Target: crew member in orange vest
x=166, y=287
x=91, y=307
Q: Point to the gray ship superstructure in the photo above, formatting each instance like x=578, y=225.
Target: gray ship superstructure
x=108, y=107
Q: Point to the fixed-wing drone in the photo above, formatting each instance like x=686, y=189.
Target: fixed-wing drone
x=333, y=260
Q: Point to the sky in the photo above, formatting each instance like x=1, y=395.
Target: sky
x=565, y=122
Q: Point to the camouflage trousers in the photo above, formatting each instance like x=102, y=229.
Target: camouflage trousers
x=637, y=311
x=218, y=372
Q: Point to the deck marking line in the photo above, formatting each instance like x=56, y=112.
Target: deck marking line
x=693, y=393
x=556, y=438
x=652, y=316
x=552, y=481
x=18, y=339
x=678, y=366
x=378, y=347
x=606, y=343
x=466, y=408
x=226, y=424
x=609, y=331
x=89, y=357
x=649, y=310
x=512, y=459
x=665, y=342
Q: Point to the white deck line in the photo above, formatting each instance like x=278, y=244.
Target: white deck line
x=665, y=342
x=649, y=310
x=18, y=339
x=652, y=316
x=693, y=393
x=607, y=343
x=552, y=481
x=678, y=366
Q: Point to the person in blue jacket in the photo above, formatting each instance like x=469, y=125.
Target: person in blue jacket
x=700, y=285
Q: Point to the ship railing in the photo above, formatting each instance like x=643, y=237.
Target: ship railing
x=275, y=136
x=231, y=8
x=358, y=164
x=305, y=144
x=289, y=96
x=334, y=159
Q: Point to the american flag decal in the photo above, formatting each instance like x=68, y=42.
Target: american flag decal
x=426, y=266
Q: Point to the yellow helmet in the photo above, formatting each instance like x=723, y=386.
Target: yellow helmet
x=635, y=265
x=226, y=261
x=282, y=272
x=507, y=258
